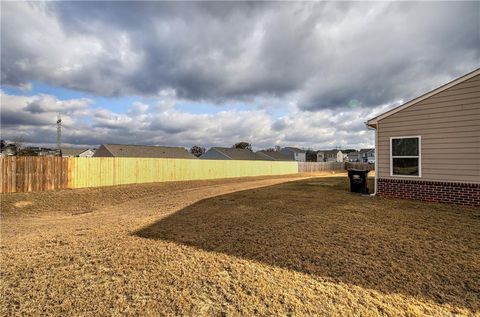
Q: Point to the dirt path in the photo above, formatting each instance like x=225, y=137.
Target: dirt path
x=125, y=207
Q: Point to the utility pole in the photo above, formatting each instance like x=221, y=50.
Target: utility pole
x=59, y=132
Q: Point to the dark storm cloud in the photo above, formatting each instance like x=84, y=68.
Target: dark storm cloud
x=327, y=55
x=407, y=51
x=12, y=118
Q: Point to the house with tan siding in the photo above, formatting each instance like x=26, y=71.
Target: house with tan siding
x=429, y=147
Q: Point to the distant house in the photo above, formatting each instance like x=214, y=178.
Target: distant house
x=330, y=156
x=275, y=155
x=9, y=150
x=294, y=153
x=78, y=152
x=228, y=153
x=428, y=148
x=127, y=150
x=367, y=155
x=36, y=151
x=353, y=156
x=48, y=152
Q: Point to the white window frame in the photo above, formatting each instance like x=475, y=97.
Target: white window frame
x=419, y=156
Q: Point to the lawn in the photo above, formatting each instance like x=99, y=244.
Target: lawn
x=258, y=246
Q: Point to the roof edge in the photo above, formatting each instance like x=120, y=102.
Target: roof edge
x=157, y=146
x=106, y=148
x=216, y=149
x=373, y=122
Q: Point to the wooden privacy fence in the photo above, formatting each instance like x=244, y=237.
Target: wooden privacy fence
x=311, y=167
x=105, y=171
x=27, y=174
x=31, y=174
x=360, y=166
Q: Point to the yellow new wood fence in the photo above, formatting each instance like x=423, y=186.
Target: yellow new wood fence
x=105, y=171
x=25, y=174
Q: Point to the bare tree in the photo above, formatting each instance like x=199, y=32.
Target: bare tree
x=17, y=142
x=311, y=155
x=197, y=150
x=243, y=145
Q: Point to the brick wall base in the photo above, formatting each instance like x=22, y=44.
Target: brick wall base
x=443, y=192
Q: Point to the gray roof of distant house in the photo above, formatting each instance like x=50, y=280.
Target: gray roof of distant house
x=294, y=149
x=73, y=152
x=275, y=155
x=329, y=151
x=130, y=150
x=238, y=154
x=365, y=150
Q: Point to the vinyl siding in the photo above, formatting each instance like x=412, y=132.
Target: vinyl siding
x=301, y=157
x=449, y=125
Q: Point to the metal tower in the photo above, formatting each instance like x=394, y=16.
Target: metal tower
x=59, y=132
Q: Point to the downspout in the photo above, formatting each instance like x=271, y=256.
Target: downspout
x=375, y=164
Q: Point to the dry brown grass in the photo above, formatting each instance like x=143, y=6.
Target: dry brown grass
x=205, y=248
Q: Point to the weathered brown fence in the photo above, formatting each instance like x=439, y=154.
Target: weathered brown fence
x=360, y=166
x=29, y=174
x=311, y=167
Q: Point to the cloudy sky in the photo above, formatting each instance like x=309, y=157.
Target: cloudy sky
x=305, y=74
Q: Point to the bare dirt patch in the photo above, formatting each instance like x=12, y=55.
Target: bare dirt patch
x=22, y=204
x=236, y=247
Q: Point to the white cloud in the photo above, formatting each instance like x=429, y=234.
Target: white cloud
x=33, y=119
